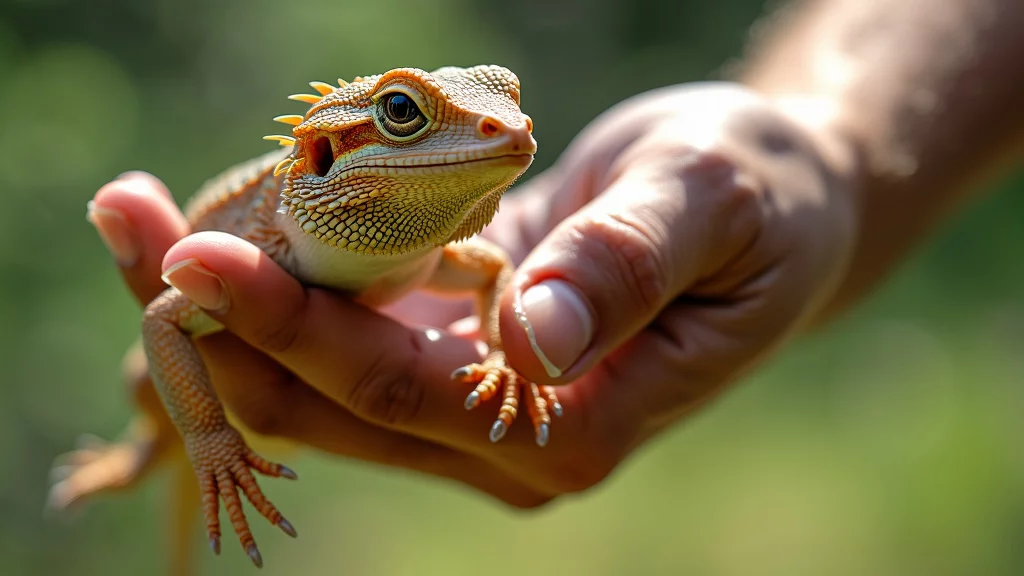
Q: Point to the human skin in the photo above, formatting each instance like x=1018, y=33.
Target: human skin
x=683, y=237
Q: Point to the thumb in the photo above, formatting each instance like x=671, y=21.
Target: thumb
x=607, y=271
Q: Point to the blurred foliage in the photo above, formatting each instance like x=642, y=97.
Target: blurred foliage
x=888, y=445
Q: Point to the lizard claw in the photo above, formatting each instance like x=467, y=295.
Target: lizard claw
x=543, y=433
x=494, y=374
x=464, y=372
x=224, y=464
x=287, y=528
x=498, y=430
x=286, y=472
x=473, y=400
x=254, y=555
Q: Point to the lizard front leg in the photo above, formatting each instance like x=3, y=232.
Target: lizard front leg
x=220, y=456
x=484, y=268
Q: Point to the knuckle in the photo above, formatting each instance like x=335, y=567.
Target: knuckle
x=390, y=391
x=725, y=186
x=277, y=338
x=742, y=193
x=280, y=335
x=724, y=175
x=742, y=206
x=632, y=248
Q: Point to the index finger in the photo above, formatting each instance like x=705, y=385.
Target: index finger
x=385, y=372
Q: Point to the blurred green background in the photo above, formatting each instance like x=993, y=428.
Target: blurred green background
x=889, y=445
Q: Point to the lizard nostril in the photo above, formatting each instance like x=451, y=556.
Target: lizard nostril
x=529, y=124
x=321, y=155
x=488, y=126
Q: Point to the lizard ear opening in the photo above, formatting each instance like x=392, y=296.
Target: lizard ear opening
x=321, y=155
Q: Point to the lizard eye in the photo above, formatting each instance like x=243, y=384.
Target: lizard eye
x=401, y=117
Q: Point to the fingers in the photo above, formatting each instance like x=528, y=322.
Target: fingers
x=661, y=226
x=386, y=373
x=138, y=221
x=692, y=352
x=271, y=401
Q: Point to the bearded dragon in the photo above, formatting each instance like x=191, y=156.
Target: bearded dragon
x=381, y=180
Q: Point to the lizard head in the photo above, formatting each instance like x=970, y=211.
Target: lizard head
x=392, y=163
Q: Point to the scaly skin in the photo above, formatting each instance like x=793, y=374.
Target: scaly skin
x=381, y=178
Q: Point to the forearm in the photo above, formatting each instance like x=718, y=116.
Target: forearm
x=924, y=101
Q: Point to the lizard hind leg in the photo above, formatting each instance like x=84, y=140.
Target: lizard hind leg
x=97, y=466
x=221, y=458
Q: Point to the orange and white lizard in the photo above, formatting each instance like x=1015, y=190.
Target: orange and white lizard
x=381, y=180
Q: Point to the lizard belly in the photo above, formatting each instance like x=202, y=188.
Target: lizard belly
x=374, y=279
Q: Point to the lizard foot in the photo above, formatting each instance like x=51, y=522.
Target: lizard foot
x=97, y=466
x=222, y=462
x=493, y=373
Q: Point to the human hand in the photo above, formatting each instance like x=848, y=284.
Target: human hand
x=696, y=225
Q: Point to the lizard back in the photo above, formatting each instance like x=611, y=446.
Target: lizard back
x=228, y=201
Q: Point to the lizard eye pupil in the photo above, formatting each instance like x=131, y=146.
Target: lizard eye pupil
x=401, y=117
x=401, y=109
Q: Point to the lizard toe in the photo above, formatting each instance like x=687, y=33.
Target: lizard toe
x=494, y=374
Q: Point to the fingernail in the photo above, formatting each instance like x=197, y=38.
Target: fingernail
x=116, y=233
x=558, y=323
x=198, y=283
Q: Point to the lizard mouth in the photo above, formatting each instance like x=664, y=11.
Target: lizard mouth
x=324, y=165
x=428, y=163
x=499, y=160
